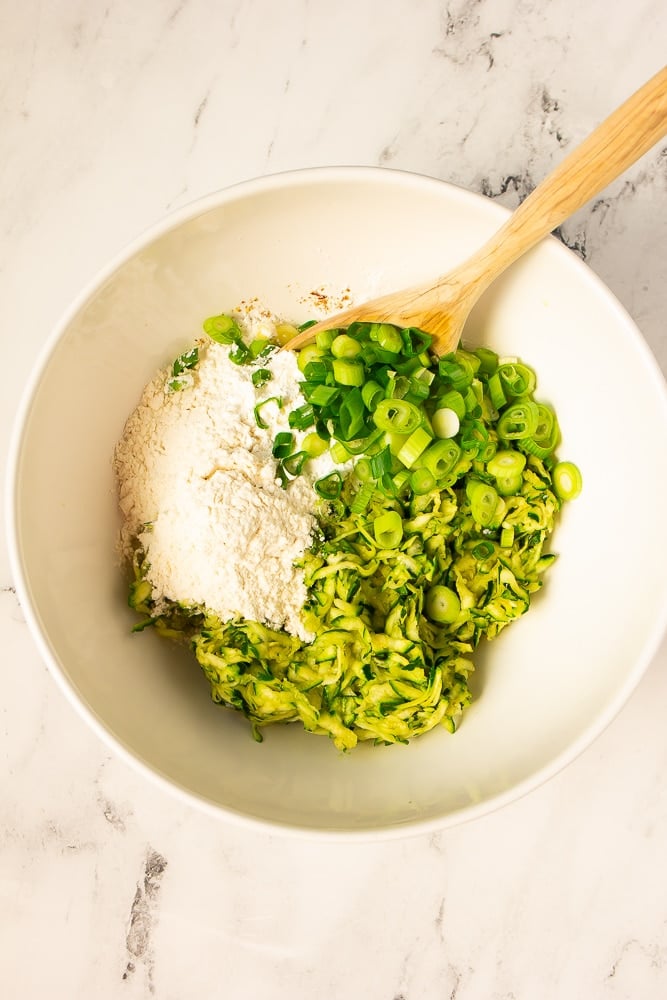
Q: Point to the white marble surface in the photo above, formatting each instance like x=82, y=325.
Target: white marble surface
x=110, y=114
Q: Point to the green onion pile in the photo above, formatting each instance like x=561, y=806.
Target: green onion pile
x=432, y=532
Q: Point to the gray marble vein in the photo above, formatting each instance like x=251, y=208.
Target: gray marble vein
x=142, y=919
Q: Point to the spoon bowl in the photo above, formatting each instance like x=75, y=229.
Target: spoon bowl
x=443, y=306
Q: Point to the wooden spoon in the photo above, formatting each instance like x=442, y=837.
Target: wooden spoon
x=441, y=307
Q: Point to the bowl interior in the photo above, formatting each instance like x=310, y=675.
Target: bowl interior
x=544, y=688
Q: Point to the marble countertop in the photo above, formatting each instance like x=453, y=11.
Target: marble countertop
x=113, y=113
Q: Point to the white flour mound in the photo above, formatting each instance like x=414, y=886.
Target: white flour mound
x=198, y=489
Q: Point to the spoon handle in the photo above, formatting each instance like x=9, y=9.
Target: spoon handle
x=610, y=149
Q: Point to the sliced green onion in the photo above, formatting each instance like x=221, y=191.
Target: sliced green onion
x=388, y=530
x=284, y=333
x=517, y=379
x=398, y=386
x=380, y=463
x=360, y=331
x=547, y=431
x=395, y=441
x=397, y=415
x=477, y=387
x=362, y=470
x=240, y=353
x=344, y=346
x=401, y=480
x=325, y=338
x=506, y=463
x=293, y=464
x=387, y=487
x=283, y=444
x=339, y=453
x=351, y=415
x=483, y=502
x=410, y=367
x=223, y=329
x=258, y=346
x=471, y=358
x=418, y=441
x=317, y=370
x=546, y=420
x=388, y=337
x=474, y=436
x=441, y=457
x=496, y=391
x=567, y=480
x=483, y=550
x=371, y=393
x=369, y=354
x=348, y=372
x=487, y=451
x=186, y=361
x=261, y=376
x=314, y=445
x=417, y=390
x=382, y=375
x=518, y=421
x=509, y=485
x=507, y=536
x=445, y=422
x=384, y=357
x=362, y=445
x=531, y=447
x=329, y=487
x=457, y=369
x=488, y=360
x=311, y=352
x=282, y=476
x=415, y=341
x=473, y=409
x=362, y=498
x=442, y=605
x=453, y=400
x=177, y=384
x=320, y=395
x=302, y=417
x=422, y=481
x=259, y=420
x=424, y=374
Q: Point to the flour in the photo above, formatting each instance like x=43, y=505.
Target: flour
x=198, y=491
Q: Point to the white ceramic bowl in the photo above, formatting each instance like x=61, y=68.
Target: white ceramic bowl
x=544, y=689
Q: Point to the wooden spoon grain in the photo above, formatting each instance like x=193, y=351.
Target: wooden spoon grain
x=441, y=307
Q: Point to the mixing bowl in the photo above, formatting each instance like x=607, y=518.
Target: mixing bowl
x=295, y=242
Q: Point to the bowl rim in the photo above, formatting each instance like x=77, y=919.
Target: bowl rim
x=170, y=221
